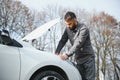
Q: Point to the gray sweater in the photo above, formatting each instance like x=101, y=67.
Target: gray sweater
x=80, y=41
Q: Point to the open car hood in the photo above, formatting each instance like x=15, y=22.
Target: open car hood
x=41, y=30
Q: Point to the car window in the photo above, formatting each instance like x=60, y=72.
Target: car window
x=5, y=39
x=13, y=42
x=16, y=44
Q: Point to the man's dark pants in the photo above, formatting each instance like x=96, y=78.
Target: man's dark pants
x=87, y=69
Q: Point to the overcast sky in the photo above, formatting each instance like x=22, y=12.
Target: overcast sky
x=108, y=6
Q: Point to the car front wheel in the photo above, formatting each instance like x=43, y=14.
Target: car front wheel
x=49, y=75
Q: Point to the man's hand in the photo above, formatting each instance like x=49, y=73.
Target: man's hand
x=63, y=57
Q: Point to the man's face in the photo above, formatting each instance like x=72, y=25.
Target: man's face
x=71, y=24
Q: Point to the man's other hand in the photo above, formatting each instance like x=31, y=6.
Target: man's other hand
x=63, y=56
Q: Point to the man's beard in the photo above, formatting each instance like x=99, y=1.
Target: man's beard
x=73, y=27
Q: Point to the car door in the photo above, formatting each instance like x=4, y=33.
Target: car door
x=9, y=62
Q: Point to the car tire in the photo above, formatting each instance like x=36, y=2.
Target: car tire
x=49, y=75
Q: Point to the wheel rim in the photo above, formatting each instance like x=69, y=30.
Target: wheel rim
x=50, y=78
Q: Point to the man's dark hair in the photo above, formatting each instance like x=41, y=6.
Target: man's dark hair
x=69, y=16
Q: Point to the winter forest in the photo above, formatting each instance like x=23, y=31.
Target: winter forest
x=19, y=20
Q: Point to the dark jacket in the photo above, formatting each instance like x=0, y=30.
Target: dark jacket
x=80, y=41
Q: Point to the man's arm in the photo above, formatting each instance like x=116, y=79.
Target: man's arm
x=62, y=42
x=79, y=41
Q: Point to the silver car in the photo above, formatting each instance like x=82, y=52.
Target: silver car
x=20, y=61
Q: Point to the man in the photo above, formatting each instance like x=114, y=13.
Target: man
x=79, y=37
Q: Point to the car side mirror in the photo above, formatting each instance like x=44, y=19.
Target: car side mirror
x=5, y=38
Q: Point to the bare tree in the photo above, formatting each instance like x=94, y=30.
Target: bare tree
x=16, y=18
x=103, y=39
